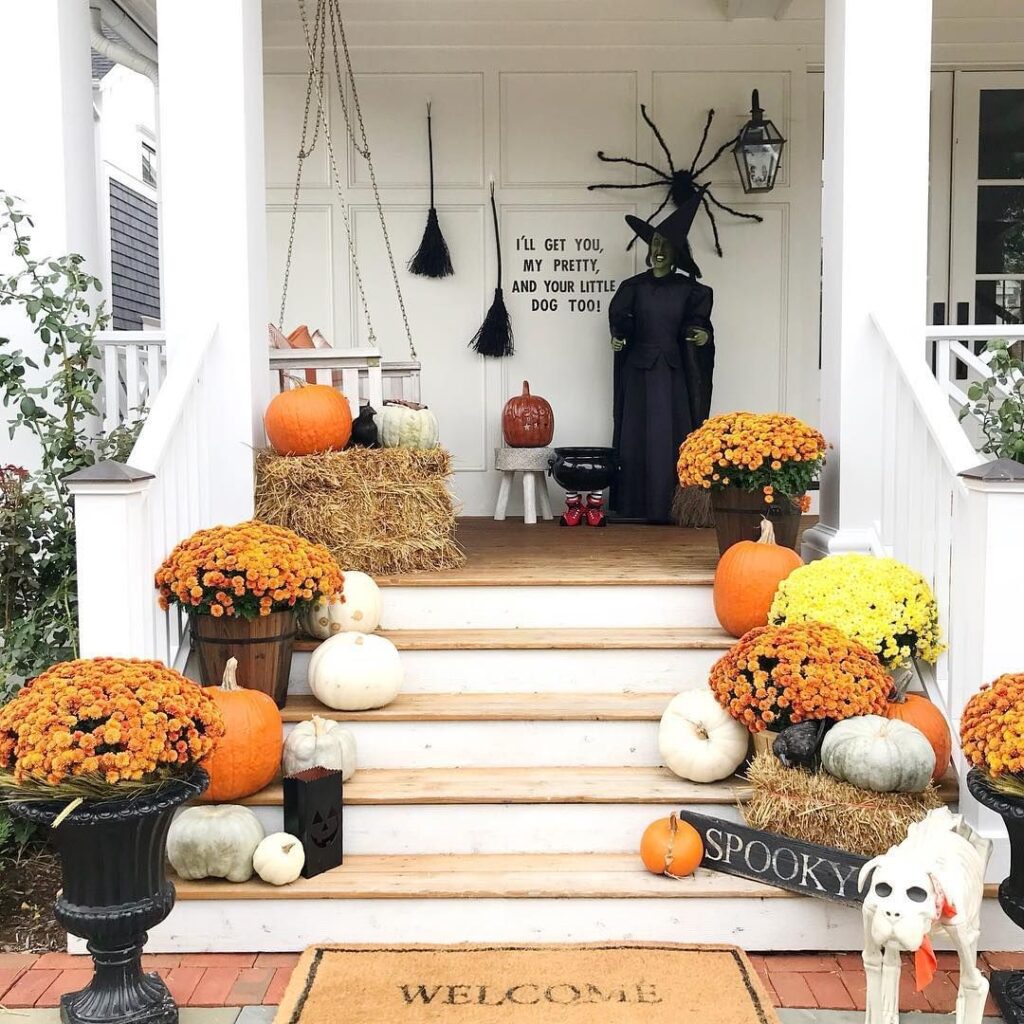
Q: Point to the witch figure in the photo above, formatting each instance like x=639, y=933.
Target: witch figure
x=664, y=358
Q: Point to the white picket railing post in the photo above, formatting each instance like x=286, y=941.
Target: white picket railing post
x=115, y=604
x=987, y=569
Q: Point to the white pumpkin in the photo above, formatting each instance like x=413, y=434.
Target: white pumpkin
x=279, y=859
x=884, y=755
x=319, y=743
x=699, y=740
x=355, y=671
x=358, y=612
x=214, y=841
x=407, y=426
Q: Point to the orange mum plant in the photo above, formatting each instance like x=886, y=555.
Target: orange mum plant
x=779, y=675
x=992, y=733
x=95, y=727
x=775, y=454
x=247, y=570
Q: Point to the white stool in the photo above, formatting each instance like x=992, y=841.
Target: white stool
x=533, y=464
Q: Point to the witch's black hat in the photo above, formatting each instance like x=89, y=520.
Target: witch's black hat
x=675, y=228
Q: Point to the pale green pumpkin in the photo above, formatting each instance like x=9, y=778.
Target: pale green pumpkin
x=408, y=426
x=879, y=754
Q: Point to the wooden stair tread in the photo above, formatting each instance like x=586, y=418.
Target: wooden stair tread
x=483, y=876
x=493, y=707
x=545, y=639
x=545, y=785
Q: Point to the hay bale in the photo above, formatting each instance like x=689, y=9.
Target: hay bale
x=382, y=511
x=821, y=809
x=691, y=506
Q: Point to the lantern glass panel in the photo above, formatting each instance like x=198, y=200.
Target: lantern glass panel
x=758, y=156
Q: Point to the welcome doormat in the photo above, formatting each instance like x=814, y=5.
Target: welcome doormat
x=610, y=983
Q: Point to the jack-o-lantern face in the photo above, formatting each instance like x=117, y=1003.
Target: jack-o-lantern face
x=323, y=829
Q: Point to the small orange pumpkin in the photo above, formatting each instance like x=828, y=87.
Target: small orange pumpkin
x=921, y=713
x=747, y=577
x=671, y=847
x=527, y=421
x=249, y=753
x=308, y=420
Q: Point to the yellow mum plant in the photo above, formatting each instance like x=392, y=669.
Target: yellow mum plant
x=773, y=453
x=247, y=570
x=84, y=727
x=879, y=602
x=780, y=675
x=992, y=733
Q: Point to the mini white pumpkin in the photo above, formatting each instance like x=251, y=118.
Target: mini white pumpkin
x=406, y=425
x=214, y=841
x=355, y=671
x=319, y=743
x=279, y=859
x=884, y=755
x=358, y=612
x=699, y=740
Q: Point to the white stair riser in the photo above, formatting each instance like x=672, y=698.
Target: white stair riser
x=495, y=828
x=754, y=924
x=528, y=607
x=503, y=744
x=551, y=671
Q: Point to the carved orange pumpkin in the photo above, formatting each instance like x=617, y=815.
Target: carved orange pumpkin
x=747, y=577
x=671, y=847
x=921, y=713
x=249, y=753
x=527, y=420
x=307, y=420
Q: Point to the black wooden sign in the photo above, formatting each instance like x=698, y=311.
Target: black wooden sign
x=775, y=859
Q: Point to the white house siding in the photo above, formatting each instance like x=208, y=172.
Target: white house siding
x=527, y=91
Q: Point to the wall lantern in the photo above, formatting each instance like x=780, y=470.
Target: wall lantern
x=758, y=150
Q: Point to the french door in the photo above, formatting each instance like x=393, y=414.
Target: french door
x=986, y=239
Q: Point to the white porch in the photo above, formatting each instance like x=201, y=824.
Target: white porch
x=897, y=482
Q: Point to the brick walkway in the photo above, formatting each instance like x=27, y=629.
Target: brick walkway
x=829, y=981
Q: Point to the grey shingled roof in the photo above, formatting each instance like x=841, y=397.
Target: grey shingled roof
x=134, y=257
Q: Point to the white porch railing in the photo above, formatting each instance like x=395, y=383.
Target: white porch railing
x=134, y=366
x=959, y=358
x=128, y=518
x=955, y=516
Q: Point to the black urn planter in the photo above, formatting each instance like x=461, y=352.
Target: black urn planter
x=115, y=888
x=1007, y=986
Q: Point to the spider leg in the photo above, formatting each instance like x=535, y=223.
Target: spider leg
x=714, y=226
x=642, y=184
x=703, y=139
x=658, y=136
x=628, y=160
x=735, y=213
x=718, y=152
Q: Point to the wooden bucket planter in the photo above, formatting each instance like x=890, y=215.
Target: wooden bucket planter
x=263, y=648
x=738, y=515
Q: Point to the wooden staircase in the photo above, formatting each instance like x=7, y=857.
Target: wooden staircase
x=503, y=794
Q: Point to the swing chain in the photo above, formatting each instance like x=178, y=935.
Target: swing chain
x=330, y=9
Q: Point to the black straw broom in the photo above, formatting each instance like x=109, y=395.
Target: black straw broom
x=495, y=335
x=432, y=258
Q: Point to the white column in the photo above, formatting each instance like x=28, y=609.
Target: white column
x=874, y=241
x=213, y=219
x=47, y=156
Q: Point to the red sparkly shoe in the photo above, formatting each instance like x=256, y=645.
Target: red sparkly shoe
x=574, y=511
x=595, y=509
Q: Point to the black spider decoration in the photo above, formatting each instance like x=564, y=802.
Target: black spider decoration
x=682, y=184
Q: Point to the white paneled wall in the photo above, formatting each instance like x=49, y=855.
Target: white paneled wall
x=533, y=116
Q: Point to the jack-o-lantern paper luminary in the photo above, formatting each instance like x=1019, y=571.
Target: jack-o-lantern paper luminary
x=312, y=813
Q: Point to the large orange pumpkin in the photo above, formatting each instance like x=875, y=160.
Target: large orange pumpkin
x=249, y=754
x=671, y=847
x=307, y=420
x=747, y=577
x=921, y=713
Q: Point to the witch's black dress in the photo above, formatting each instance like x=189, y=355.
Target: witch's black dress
x=662, y=386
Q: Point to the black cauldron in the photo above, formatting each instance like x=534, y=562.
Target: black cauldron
x=583, y=469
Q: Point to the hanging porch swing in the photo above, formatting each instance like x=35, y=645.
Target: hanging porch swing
x=400, y=379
